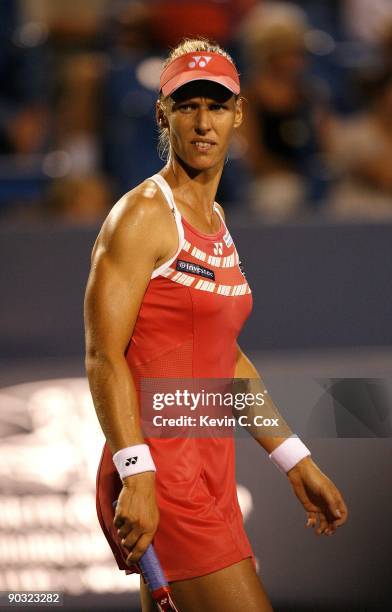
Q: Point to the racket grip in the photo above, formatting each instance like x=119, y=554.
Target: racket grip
x=151, y=568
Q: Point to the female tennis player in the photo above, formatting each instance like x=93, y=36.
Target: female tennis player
x=166, y=299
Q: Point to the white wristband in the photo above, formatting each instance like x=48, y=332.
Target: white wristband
x=133, y=460
x=289, y=453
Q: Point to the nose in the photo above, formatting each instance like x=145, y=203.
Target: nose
x=203, y=121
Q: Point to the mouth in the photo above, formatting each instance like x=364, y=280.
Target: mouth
x=203, y=145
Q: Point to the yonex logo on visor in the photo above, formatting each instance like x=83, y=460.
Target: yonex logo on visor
x=199, y=60
x=199, y=66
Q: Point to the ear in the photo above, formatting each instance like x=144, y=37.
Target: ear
x=238, y=112
x=160, y=115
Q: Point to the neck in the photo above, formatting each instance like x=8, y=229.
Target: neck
x=196, y=188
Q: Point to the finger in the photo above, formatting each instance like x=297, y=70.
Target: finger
x=342, y=513
x=329, y=502
x=334, y=523
x=323, y=523
x=330, y=530
x=125, y=529
x=130, y=540
x=336, y=508
x=140, y=548
x=333, y=511
x=118, y=520
x=312, y=519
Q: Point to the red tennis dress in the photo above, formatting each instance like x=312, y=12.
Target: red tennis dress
x=192, y=312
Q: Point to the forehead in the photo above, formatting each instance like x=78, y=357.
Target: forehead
x=202, y=89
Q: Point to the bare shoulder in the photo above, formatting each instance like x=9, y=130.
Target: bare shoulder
x=141, y=208
x=140, y=217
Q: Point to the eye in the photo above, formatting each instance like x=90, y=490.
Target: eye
x=217, y=106
x=186, y=108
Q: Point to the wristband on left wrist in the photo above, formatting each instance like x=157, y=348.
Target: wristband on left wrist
x=289, y=453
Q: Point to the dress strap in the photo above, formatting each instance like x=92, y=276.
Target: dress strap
x=216, y=208
x=167, y=192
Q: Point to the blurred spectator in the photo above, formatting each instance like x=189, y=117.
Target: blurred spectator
x=385, y=43
x=213, y=19
x=366, y=19
x=129, y=94
x=25, y=131
x=361, y=153
x=24, y=108
x=281, y=125
x=23, y=72
x=71, y=25
x=78, y=85
x=79, y=201
x=78, y=112
x=24, y=115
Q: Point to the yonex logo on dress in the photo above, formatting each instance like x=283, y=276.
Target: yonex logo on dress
x=199, y=61
x=218, y=248
x=131, y=460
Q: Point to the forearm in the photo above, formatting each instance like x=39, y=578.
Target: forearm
x=246, y=370
x=115, y=400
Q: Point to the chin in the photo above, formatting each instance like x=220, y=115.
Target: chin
x=202, y=162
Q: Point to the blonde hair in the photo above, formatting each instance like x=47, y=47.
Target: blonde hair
x=187, y=45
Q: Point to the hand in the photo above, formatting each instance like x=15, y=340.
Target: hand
x=319, y=496
x=137, y=514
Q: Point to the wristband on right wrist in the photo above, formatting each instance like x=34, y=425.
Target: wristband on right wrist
x=133, y=460
x=289, y=453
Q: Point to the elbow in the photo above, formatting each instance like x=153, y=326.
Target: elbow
x=97, y=360
x=92, y=355
x=91, y=362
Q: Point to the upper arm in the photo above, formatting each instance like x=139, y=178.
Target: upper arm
x=130, y=243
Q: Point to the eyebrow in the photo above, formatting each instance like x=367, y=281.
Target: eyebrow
x=195, y=101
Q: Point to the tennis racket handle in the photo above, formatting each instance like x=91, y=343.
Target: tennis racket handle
x=156, y=581
x=162, y=598
x=155, y=578
x=151, y=568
